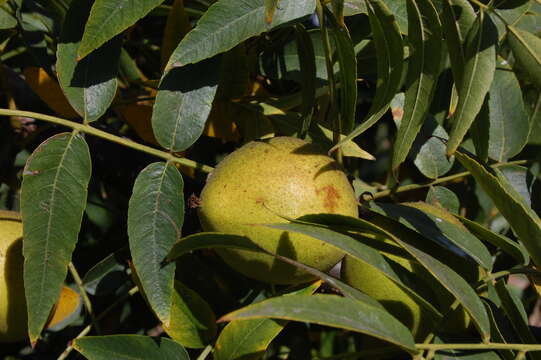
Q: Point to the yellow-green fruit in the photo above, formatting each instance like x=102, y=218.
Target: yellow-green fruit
x=395, y=300
x=263, y=179
x=12, y=300
x=459, y=320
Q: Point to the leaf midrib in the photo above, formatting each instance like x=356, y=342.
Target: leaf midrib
x=49, y=222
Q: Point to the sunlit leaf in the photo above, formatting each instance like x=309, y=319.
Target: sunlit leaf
x=523, y=220
x=89, y=84
x=480, y=56
x=193, y=323
x=330, y=310
x=183, y=104
x=229, y=22
x=457, y=19
x=53, y=199
x=527, y=49
x=109, y=18
x=508, y=127
x=442, y=196
x=248, y=339
x=129, y=347
x=425, y=48
x=390, y=55
x=155, y=218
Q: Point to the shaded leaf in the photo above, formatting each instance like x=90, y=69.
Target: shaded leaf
x=129, y=347
x=7, y=21
x=229, y=22
x=289, y=62
x=109, y=18
x=347, y=77
x=354, y=248
x=53, y=199
x=89, y=84
x=453, y=282
x=204, y=240
x=522, y=180
x=480, y=56
x=509, y=126
x=442, y=196
x=390, y=55
x=428, y=151
x=248, y=339
x=535, y=122
x=395, y=231
x=496, y=323
x=354, y=7
x=453, y=354
x=108, y=275
x=527, y=49
x=155, y=218
x=523, y=220
x=425, y=49
x=193, y=323
x=478, y=131
x=457, y=19
x=307, y=64
x=516, y=250
x=438, y=229
x=217, y=240
x=183, y=104
x=330, y=310
x=513, y=308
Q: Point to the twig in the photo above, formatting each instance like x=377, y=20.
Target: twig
x=444, y=179
x=110, y=137
x=485, y=346
x=86, y=300
x=87, y=329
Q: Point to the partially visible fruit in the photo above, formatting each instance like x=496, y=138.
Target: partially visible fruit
x=263, y=179
x=398, y=302
x=12, y=299
x=13, y=313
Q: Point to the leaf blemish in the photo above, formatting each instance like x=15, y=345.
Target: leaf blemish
x=31, y=172
x=44, y=205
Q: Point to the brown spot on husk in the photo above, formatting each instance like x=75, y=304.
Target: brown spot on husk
x=331, y=196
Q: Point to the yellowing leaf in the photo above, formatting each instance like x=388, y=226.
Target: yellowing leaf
x=220, y=122
x=68, y=305
x=49, y=91
x=138, y=116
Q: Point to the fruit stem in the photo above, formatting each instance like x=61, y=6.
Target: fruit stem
x=86, y=128
x=86, y=300
x=410, y=187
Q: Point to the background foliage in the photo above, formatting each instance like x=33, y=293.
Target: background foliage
x=114, y=111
